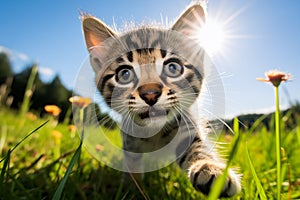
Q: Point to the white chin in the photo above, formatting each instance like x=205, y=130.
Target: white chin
x=155, y=122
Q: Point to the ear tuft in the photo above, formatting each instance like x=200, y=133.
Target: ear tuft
x=191, y=20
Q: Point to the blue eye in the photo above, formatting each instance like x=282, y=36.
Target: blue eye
x=173, y=69
x=124, y=75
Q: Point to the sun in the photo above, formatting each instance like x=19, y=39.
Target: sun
x=212, y=36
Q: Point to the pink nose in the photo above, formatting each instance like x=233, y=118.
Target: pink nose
x=150, y=93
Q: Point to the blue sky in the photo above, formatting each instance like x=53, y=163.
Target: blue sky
x=264, y=35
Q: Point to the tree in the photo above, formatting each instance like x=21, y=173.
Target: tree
x=56, y=93
x=19, y=85
x=5, y=68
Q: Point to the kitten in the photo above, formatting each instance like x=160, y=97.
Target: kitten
x=152, y=76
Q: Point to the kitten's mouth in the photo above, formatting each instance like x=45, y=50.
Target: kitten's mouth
x=153, y=112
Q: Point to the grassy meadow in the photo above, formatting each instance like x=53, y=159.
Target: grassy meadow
x=43, y=159
x=35, y=167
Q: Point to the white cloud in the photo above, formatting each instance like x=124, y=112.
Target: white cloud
x=21, y=56
x=19, y=59
x=5, y=50
x=45, y=71
x=14, y=55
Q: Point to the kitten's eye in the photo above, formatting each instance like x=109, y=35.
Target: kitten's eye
x=173, y=69
x=124, y=75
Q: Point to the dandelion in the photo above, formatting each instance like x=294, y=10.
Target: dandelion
x=31, y=116
x=72, y=129
x=53, y=110
x=56, y=134
x=81, y=102
x=276, y=77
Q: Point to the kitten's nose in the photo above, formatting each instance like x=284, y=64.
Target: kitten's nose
x=150, y=92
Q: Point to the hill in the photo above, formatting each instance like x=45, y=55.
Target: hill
x=289, y=116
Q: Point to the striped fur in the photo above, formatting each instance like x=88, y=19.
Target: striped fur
x=152, y=76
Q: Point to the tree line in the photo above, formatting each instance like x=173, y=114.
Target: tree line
x=13, y=87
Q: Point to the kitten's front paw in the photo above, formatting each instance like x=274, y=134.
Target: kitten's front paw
x=203, y=175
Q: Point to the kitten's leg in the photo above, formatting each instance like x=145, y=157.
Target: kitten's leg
x=203, y=167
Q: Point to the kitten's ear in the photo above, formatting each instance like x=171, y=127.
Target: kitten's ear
x=191, y=20
x=95, y=32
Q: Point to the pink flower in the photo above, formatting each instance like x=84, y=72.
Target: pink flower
x=275, y=77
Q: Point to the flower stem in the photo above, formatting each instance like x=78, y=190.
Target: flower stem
x=278, y=143
x=81, y=118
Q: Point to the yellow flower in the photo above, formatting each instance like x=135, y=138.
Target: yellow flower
x=72, y=128
x=56, y=134
x=53, y=109
x=31, y=116
x=275, y=77
x=81, y=102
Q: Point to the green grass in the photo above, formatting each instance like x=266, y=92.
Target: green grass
x=37, y=166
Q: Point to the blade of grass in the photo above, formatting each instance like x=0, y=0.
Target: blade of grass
x=138, y=186
x=260, y=189
x=7, y=156
x=5, y=165
x=29, y=90
x=119, y=191
x=257, y=123
x=21, y=187
x=124, y=197
x=59, y=190
x=43, y=124
x=290, y=184
x=23, y=139
x=298, y=134
x=219, y=183
x=3, y=137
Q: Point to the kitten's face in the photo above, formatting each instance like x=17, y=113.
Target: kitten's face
x=148, y=75
x=150, y=85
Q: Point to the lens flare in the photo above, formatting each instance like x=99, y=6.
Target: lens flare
x=212, y=36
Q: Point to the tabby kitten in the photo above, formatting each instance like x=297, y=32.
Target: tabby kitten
x=152, y=76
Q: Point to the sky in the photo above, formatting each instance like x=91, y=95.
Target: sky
x=260, y=35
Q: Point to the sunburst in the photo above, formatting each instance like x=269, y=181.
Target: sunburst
x=212, y=36
x=219, y=30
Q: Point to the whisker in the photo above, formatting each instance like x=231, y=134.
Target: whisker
x=221, y=120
